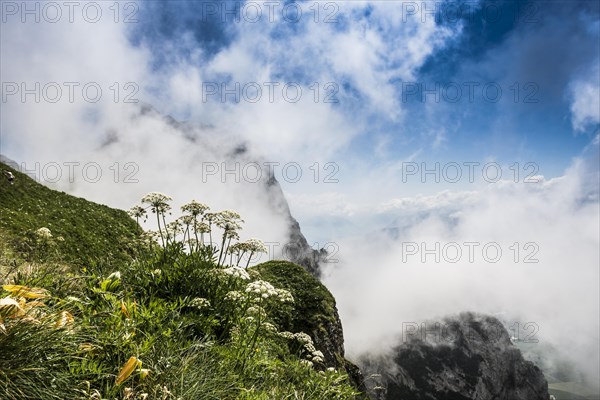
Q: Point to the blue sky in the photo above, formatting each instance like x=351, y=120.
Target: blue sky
x=530, y=49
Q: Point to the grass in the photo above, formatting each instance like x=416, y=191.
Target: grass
x=108, y=296
x=90, y=231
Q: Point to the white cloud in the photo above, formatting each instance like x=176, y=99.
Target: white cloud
x=585, y=94
x=379, y=284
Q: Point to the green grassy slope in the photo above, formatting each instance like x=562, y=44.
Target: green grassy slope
x=90, y=230
x=80, y=318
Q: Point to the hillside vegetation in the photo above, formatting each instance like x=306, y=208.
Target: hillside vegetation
x=82, y=230
x=91, y=308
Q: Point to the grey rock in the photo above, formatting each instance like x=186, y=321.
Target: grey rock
x=467, y=357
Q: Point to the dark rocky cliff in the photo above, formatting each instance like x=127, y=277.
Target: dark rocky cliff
x=467, y=357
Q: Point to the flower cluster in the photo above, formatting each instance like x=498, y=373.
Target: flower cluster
x=251, y=246
x=150, y=237
x=158, y=202
x=44, y=233
x=261, y=288
x=137, y=212
x=312, y=354
x=194, y=209
x=174, y=228
x=284, y=296
x=236, y=272
x=200, y=303
x=256, y=311
x=234, y=295
x=228, y=220
x=255, y=246
x=269, y=327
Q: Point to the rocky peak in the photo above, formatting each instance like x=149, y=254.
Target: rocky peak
x=465, y=357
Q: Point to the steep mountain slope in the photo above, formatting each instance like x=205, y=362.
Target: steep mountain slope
x=316, y=314
x=81, y=230
x=169, y=309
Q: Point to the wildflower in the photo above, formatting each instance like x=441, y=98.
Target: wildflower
x=201, y=227
x=211, y=217
x=317, y=356
x=150, y=237
x=200, y=302
x=286, y=335
x=237, y=272
x=44, y=233
x=137, y=212
x=174, y=228
x=306, y=363
x=256, y=246
x=194, y=208
x=114, y=276
x=124, y=310
x=186, y=220
x=261, y=288
x=303, y=338
x=234, y=295
x=128, y=369
x=252, y=246
x=257, y=311
x=269, y=327
x=228, y=220
x=331, y=369
x=128, y=393
x=284, y=296
x=158, y=202
x=231, y=234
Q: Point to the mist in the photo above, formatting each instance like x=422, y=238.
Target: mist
x=171, y=138
x=383, y=280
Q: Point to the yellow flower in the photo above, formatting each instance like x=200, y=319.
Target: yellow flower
x=144, y=372
x=128, y=369
x=124, y=310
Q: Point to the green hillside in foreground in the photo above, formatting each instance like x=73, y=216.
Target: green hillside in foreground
x=81, y=230
x=92, y=309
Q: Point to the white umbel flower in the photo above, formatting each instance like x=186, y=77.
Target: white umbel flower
x=284, y=296
x=194, y=208
x=234, y=295
x=200, y=302
x=44, y=233
x=262, y=289
x=237, y=272
x=158, y=202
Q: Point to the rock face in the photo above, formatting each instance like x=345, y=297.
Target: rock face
x=315, y=314
x=300, y=252
x=468, y=357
